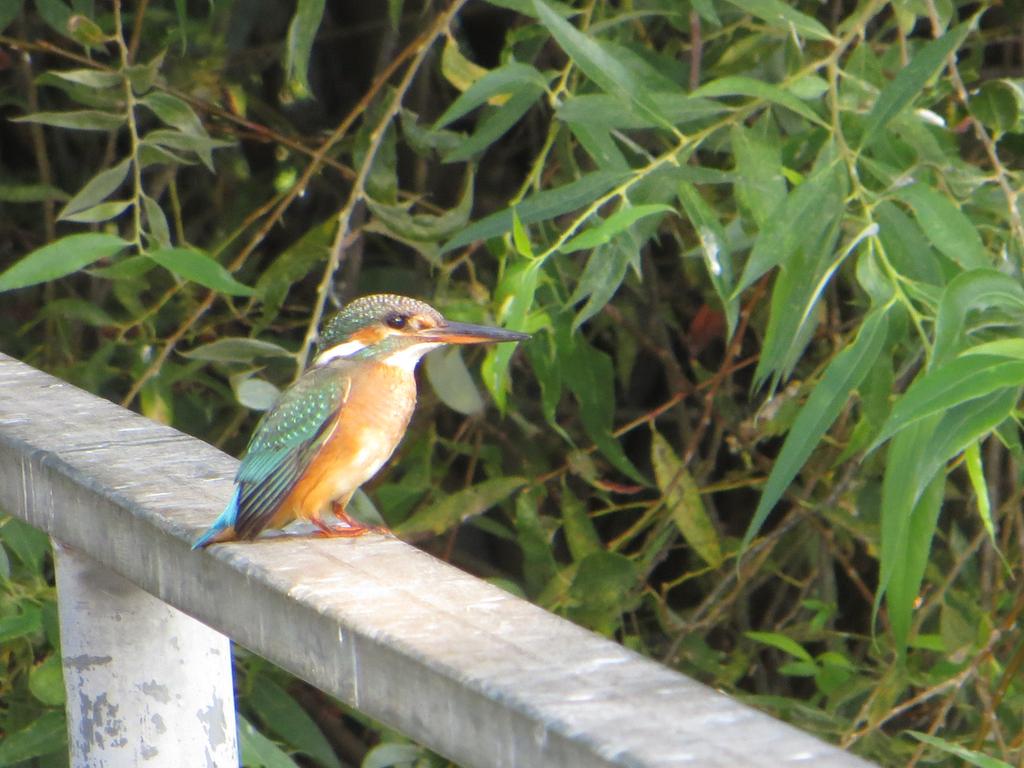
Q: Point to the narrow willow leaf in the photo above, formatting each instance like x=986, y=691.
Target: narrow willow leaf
x=799, y=222
x=605, y=230
x=971, y=756
x=102, y=212
x=760, y=187
x=45, y=735
x=580, y=534
x=593, y=385
x=964, y=378
x=198, y=267
x=481, y=86
x=975, y=290
x=299, y=45
x=976, y=474
x=82, y=120
x=946, y=226
x=602, y=276
x=609, y=112
x=539, y=565
x=9, y=10
x=683, y=501
x=515, y=294
x=236, y=350
x=452, y=382
x=1010, y=348
x=785, y=16
x=782, y=642
x=174, y=112
x=904, y=584
x=31, y=193
x=500, y=82
x=91, y=78
x=828, y=398
x=541, y=206
x=460, y=506
x=156, y=223
x=97, y=189
x=59, y=258
x=425, y=227
x=738, y=85
x=714, y=246
x=911, y=80
x=601, y=590
x=599, y=64
x=495, y=124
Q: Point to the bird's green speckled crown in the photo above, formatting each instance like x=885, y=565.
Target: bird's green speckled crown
x=367, y=310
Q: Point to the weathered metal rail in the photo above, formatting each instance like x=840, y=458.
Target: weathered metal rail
x=455, y=663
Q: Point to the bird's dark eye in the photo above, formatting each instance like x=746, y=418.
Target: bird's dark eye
x=396, y=321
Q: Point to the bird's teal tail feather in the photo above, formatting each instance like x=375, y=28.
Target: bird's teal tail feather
x=226, y=520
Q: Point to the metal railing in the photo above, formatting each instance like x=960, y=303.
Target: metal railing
x=455, y=663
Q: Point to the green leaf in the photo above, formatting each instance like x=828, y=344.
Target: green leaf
x=539, y=565
x=28, y=622
x=601, y=590
x=494, y=125
x=976, y=474
x=782, y=642
x=90, y=78
x=255, y=393
x=544, y=205
x=9, y=10
x=592, y=383
x=510, y=78
x=460, y=506
x=602, y=276
x=82, y=120
x=236, y=350
x=158, y=231
x=683, y=501
x=30, y=193
x=196, y=266
x=59, y=258
x=978, y=289
x=452, y=382
x=714, y=246
x=46, y=681
x=600, y=110
x=515, y=295
x=738, y=85
x=301, y=36
x=606, y=229
x=760, y=186
x=258, y=751
x=288, y=721
x=827, y=400
x=98, y=213
x=911, y=80
x=174, y=112
x=97, y=189
x=971, y=756
x=998, y=105
x=946, y=226
x=45, y=735
x=425, y=227
x=785, y=16
x=936, y=391
x=599, y=64
x=580, y=534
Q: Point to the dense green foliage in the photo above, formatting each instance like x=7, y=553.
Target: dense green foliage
x=767, y=428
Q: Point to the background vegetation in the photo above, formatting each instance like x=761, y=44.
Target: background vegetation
x=766, y=431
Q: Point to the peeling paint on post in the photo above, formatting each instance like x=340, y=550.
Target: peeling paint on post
x=147, y=685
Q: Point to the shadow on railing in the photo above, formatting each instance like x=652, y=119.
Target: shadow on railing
x=457, y=664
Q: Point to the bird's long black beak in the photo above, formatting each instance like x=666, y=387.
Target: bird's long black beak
x=467, y=333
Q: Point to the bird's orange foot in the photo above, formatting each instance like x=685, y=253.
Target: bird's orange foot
x=349, y=530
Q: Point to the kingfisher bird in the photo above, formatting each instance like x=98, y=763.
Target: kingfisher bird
x=337, y=425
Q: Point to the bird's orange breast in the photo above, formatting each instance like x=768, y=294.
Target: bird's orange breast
x=369, y=426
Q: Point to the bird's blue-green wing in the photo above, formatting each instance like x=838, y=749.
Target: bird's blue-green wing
x=285, y=442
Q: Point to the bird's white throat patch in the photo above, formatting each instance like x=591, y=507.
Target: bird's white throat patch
x=407, y=358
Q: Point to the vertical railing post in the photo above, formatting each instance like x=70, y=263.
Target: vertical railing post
x=146, y=684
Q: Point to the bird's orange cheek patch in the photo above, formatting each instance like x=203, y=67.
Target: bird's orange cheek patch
x=369, y=336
